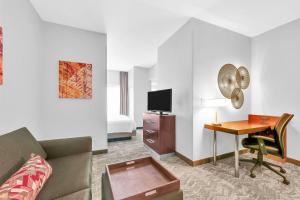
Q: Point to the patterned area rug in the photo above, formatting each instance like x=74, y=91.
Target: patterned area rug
x=206, y=181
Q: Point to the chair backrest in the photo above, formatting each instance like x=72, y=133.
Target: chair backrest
x=280, y=131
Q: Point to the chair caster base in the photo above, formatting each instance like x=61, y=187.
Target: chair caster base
x=282, y=171
x=252, y=175
x=285, y=181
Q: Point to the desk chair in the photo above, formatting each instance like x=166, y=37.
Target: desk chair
x=268, y=145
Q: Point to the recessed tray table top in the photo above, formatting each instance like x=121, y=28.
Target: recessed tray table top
x=139, y=179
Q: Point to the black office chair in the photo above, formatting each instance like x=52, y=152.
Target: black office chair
x=268, y=145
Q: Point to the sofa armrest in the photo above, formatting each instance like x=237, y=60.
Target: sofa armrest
x=65, y=147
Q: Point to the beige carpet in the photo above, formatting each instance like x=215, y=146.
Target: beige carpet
x=206, y=181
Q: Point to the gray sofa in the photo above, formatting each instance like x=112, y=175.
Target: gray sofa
x=71, y=161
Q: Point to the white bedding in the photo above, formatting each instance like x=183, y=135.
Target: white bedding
x=120, y=124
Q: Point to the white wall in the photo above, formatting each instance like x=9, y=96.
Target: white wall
x=275, y=72
x=113, y=93
x=73, y=117
x=113, y=78
x=188, y=63
x=19, y=94
x=141, y=87
x=29, y=95
x=174, y=70
x=153, y=77
x=212, y=48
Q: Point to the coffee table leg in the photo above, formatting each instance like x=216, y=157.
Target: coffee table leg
x=236, y=152
x=215, y=148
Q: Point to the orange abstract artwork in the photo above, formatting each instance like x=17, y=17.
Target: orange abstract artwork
x=1, y=56
x=75, y=80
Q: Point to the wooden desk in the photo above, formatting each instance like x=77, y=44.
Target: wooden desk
x=254, y=124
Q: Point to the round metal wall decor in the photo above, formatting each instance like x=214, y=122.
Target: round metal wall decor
x=231, y=81
x=237, y=98
x=245, y=77
x=228, y=79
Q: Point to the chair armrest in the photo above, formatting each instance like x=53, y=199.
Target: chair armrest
x=263, y=138
x=65, y=147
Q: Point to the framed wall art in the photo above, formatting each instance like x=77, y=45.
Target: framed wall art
x=75, y=80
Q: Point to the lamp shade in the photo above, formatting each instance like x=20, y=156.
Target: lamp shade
x=215, y=102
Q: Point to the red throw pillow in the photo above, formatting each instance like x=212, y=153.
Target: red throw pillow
x=28, y=181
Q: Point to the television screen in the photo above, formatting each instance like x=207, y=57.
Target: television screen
x=160, y=100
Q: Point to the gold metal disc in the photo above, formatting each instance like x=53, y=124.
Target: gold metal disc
x=245, y=77
x=237, y=98
x=228, y=79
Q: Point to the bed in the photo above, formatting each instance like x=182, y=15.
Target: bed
x=120, y=127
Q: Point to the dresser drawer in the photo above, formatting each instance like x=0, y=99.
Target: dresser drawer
x=159, y=132
x=152, y=143
x=151, y=138
x=151, y=122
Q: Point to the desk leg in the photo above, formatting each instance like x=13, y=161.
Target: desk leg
x=215, y=148
x=236, y=152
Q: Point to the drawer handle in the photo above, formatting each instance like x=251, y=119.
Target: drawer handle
x=130, y=162
x=150, y=141
x=150, y=193
x=147, y=133
x=129, y=168
x=150, y=131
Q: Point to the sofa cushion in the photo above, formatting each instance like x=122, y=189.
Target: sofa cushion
x=80, y=195
x=15, y=149
x=70, y=174
x=28, y=181
x=10, y=158
x=26, y=143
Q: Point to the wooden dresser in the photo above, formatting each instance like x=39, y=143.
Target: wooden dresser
x=159, y=132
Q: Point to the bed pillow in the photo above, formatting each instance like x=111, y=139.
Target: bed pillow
x=28, y=181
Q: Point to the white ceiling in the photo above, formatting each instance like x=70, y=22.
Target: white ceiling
x=135, y=28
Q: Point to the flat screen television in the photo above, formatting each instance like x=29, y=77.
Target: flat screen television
x=160, y=101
